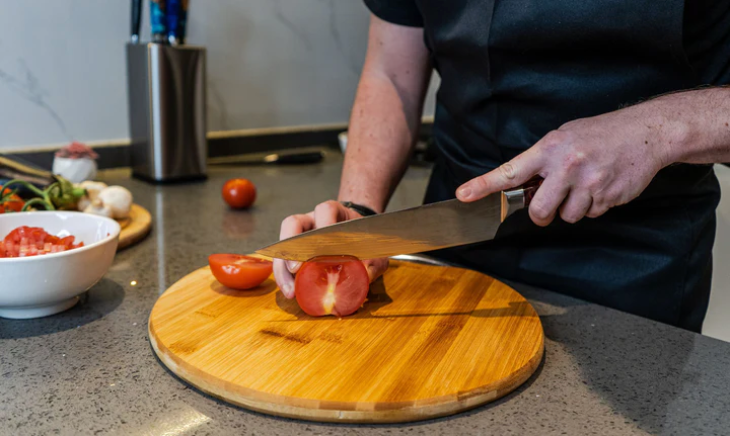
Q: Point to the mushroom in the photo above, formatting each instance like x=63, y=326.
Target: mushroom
x=118, y=199
x=97, y=207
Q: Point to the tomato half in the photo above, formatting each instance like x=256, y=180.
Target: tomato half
x=332, y=285
x=239, y=272
x=239, y=193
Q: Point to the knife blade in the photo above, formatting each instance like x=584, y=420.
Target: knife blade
x=429, y=227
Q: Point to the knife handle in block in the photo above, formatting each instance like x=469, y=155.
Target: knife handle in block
x=519, y=198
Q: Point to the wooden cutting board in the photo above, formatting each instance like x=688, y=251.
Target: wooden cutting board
x=134, y=228
x=430, y=341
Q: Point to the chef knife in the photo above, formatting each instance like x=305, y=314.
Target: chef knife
x=275, y=158
x=429, y=227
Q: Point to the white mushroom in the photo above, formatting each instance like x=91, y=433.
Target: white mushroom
x=97, y=207
x=118, y=199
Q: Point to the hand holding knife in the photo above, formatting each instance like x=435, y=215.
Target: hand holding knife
x=440, y=225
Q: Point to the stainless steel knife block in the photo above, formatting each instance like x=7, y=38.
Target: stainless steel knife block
x=167, y=119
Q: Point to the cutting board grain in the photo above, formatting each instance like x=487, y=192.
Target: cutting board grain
x=134, y=228
x=430, y=341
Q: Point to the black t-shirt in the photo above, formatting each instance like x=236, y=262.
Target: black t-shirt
x=512, y=70
x=706, y=32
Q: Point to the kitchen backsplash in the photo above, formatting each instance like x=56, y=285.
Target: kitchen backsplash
x=271, y=63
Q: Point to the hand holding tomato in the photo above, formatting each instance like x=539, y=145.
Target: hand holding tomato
x=325, y=214
x=239, y=193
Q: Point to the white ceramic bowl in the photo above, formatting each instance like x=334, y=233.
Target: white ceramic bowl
x=32, y=287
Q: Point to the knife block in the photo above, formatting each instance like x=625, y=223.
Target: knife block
x=167, y=116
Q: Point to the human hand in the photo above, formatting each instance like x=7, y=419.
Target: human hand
x=589, y=165
x=325, y=214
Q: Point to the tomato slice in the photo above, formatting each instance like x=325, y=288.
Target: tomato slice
x=239, y=272
x=332, y=285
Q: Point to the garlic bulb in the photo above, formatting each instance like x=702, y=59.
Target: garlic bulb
x=92, y=192
x=83, y=203
x=118, y=199
x=92, y=188
x=97, y=207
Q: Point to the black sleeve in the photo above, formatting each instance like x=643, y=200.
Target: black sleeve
x=403, y=12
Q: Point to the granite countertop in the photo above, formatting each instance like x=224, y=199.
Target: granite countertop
x=91, y=370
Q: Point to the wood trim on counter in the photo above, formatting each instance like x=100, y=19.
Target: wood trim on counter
x=115, y=153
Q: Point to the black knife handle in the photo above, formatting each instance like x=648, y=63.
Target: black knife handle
x=530, y=188
x=300, y=158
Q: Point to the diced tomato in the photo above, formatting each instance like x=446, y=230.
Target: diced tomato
x=239, y=272
x=33, y=241
x=332, y=285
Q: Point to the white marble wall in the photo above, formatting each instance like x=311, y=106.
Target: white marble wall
x=270, y=63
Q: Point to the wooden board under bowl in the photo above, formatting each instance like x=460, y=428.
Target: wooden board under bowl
x=135, y=227
x=430, y=341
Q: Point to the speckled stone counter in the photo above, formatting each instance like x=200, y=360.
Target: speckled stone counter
x=91, y=371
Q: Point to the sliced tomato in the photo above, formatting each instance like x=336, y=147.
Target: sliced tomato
x=239, y=272
x=332, y=285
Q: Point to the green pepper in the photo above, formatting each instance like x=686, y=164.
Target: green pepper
x=61, y=194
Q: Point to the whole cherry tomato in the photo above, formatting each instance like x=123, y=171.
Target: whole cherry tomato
x=239, y=193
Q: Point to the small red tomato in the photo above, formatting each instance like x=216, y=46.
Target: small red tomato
x=239, y=272
x=12, y=203
x=239, y=193
x=332, y=285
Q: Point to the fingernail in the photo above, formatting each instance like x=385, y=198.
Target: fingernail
x=293, y=266
x=288, y=290
x=371, y=272
x=464, y=192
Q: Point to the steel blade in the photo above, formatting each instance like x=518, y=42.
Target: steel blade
x=430, y=227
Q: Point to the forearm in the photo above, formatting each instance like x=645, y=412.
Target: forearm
x=383, y=130
x=386, y=114
x=691, y=126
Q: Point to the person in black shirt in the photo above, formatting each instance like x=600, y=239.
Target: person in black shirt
x=618, y=105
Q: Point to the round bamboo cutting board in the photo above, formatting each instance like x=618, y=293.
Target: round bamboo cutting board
x=430, y=341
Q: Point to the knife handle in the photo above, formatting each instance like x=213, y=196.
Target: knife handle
x=520, y=197
x=530, y=188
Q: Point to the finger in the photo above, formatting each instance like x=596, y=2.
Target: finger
x=376, y=267
x=284, y=279
x=547, y=200
x=508, y=175
x=328, y=213
x=292, y=226
x=575, y=207
x=296, y=224
x=596, y=210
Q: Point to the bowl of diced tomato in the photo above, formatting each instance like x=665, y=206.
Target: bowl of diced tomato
x=49, y=258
